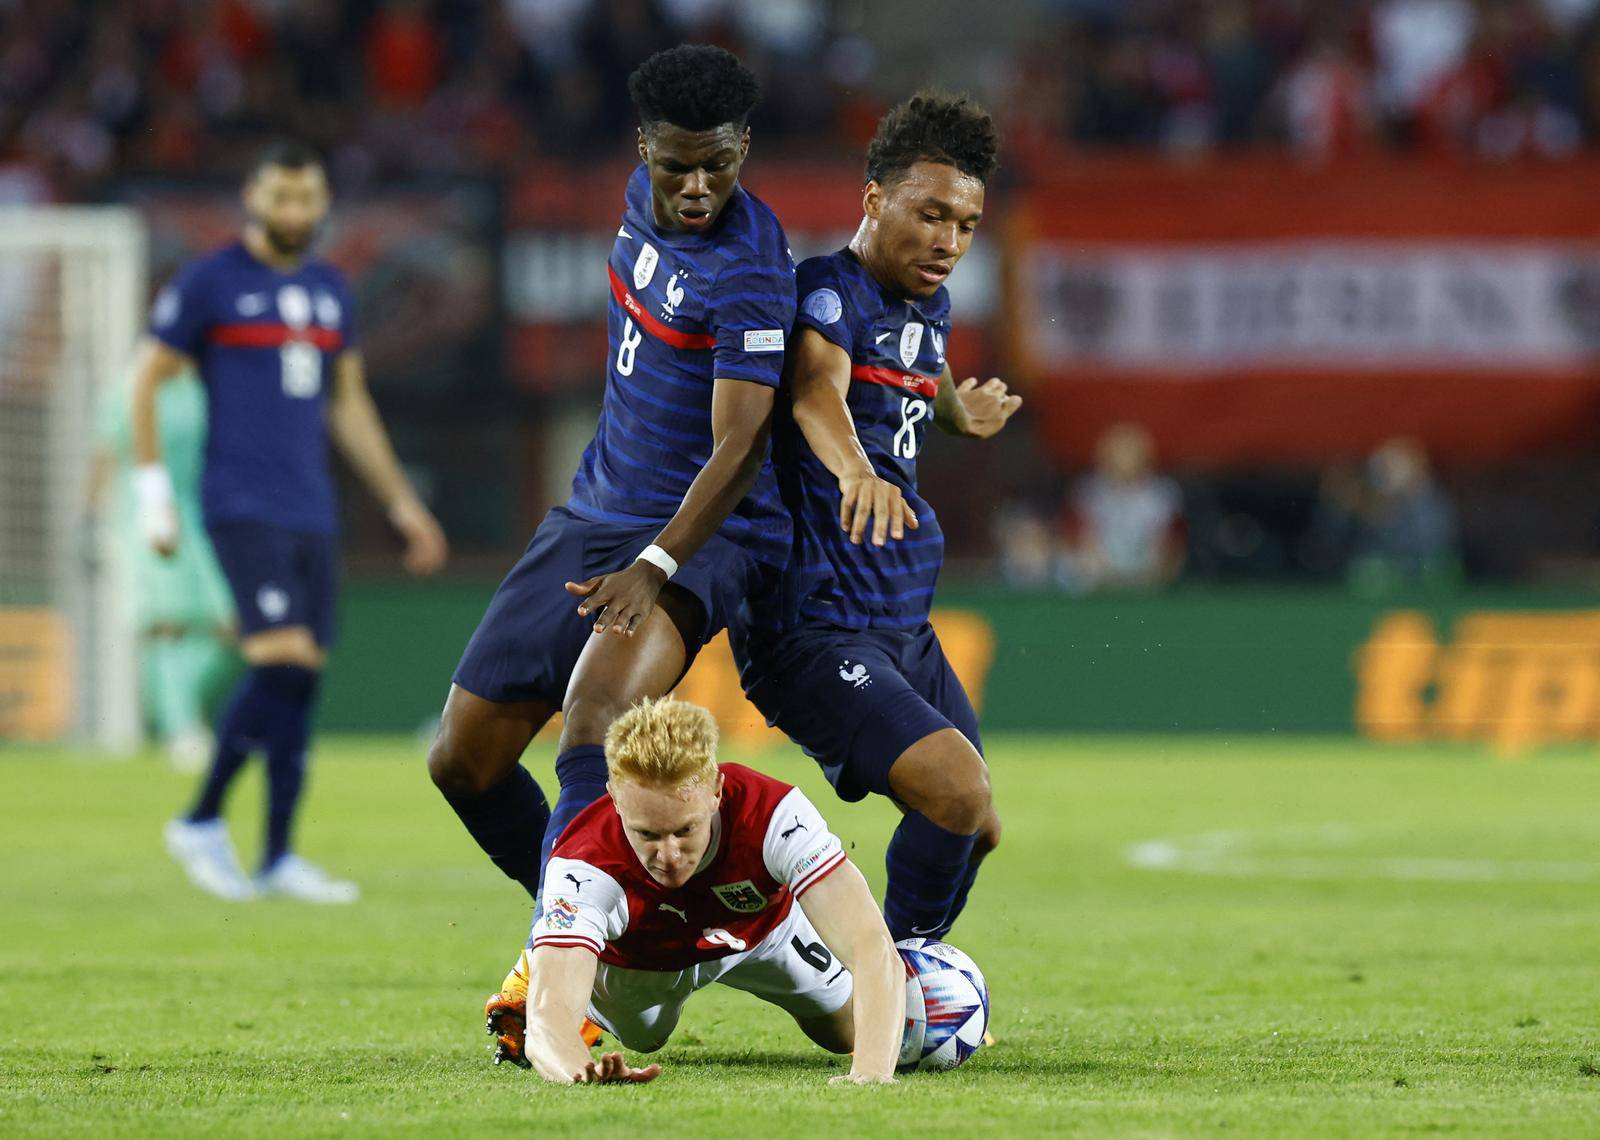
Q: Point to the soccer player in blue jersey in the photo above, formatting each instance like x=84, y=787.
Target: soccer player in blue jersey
x=674, y=517
x=270, y=331
x=847, y=664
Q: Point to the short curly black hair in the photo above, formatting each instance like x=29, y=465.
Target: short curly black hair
x=933, y=126
x=694, y=86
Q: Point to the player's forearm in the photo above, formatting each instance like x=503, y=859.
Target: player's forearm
x=949, y=413
x=726, y=479
x=146, y=428
x=824, y=419
x=359, y=435
x=880, y=1004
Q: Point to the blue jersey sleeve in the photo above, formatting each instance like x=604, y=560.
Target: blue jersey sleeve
x=825, y=303
x=751, y=311
x=347, y=318
x=182, y=312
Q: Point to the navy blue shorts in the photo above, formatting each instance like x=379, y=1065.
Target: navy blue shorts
x=280, y=577
x=528, y=642
x=855, y=700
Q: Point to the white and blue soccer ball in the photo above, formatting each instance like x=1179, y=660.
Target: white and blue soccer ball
x=947, y=1005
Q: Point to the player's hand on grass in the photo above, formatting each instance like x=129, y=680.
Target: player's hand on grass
x=620, y=602
x=864, y=498
x=612, y=1069
x=861, y=1079
x=426, y=548
x=988, y=405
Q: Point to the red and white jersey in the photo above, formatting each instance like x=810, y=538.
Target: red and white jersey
x=771, y=846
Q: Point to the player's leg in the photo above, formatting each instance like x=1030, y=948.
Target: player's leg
x=613, y=674
x=930, y=670
x=640, y=1008
x=474, y=762
x=793, y=969
x=509, y=682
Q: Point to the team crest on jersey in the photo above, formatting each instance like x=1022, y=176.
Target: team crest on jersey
x=294, y=306
x=561, y=914
x=645, y=267
x=328, y=309
x=910, y=343
x=669, y=307
x=741, y=896
x=938, y=343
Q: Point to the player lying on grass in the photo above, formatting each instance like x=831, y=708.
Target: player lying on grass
x=849, y=666
x=685, y=873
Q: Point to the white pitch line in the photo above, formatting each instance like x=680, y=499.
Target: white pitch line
x=1234, y=854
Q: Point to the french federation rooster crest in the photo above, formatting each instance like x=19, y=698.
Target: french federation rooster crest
x=856, y=674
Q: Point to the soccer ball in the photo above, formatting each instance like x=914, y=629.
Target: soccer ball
x=947, y=1005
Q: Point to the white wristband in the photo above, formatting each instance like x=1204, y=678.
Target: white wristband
x=153, y=484
x=658, y=558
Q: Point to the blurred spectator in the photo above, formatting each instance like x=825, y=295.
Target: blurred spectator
x=1386, y=525
x=1124, y=521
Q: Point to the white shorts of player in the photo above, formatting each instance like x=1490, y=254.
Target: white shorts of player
x=790, y=968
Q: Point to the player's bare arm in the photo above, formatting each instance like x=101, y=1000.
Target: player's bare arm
x=158, y=511
x=358, y=431
x=819, y=377
x=842, y=909
x=561, y=980
x=741, y=422
x=971, y=409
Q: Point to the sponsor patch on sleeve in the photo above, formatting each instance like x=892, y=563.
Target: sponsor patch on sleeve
x=763, y=340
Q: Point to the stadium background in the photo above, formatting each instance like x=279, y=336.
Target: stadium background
x=1274, y=233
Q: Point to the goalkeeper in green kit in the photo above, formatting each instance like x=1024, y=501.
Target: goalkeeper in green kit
x=182, y=609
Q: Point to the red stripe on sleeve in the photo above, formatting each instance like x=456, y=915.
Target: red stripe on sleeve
x=579, y=943
x=652, y=326
x=269, y=335
x=820, y=873
x=891, y=378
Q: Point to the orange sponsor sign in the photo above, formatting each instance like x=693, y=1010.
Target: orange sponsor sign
x=35, y=673
x=1513, y=680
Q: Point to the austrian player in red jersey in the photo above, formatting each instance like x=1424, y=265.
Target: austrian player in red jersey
x=685, y=873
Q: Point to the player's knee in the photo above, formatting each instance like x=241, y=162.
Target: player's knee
x=585, y=718
x=458, y=771
x=962, y=804
x=988, y=835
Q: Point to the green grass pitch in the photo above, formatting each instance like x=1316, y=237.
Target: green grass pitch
x=1182, y=937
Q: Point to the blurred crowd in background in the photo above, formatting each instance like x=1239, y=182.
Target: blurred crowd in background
x=95, y=96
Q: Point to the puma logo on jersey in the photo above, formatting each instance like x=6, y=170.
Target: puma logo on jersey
x=798, y=826
x=856, y=674
x=682, y=914
x=577, y=883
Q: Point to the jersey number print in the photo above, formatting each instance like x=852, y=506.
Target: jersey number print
x=302, y=369
x=912, y=412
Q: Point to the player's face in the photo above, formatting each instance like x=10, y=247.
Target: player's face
x=692, y=173
x=289, y=205
x=921, y=224
x=669, y=829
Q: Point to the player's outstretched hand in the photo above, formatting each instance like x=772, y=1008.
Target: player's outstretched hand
x=620, y=602
x=426, y=548
x=867, y=499
x=860, y=1079
x=612, y=1069
x=988, y=405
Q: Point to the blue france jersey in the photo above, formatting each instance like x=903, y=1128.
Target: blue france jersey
x=686, y=310
x=897, y=354
x=265, y=342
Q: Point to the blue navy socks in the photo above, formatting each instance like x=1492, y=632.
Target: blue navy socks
x=928, y=872
x=271, y=710
x=581, y=772
x=508, y=821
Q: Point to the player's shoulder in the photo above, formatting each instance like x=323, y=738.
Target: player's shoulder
x=834, y=285
x=753, y=237
x=751, y=796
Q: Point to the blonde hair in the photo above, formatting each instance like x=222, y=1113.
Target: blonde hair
x=665, y=743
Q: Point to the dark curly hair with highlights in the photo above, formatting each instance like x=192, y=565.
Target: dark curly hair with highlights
x=694, y=86
x=933, y=126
